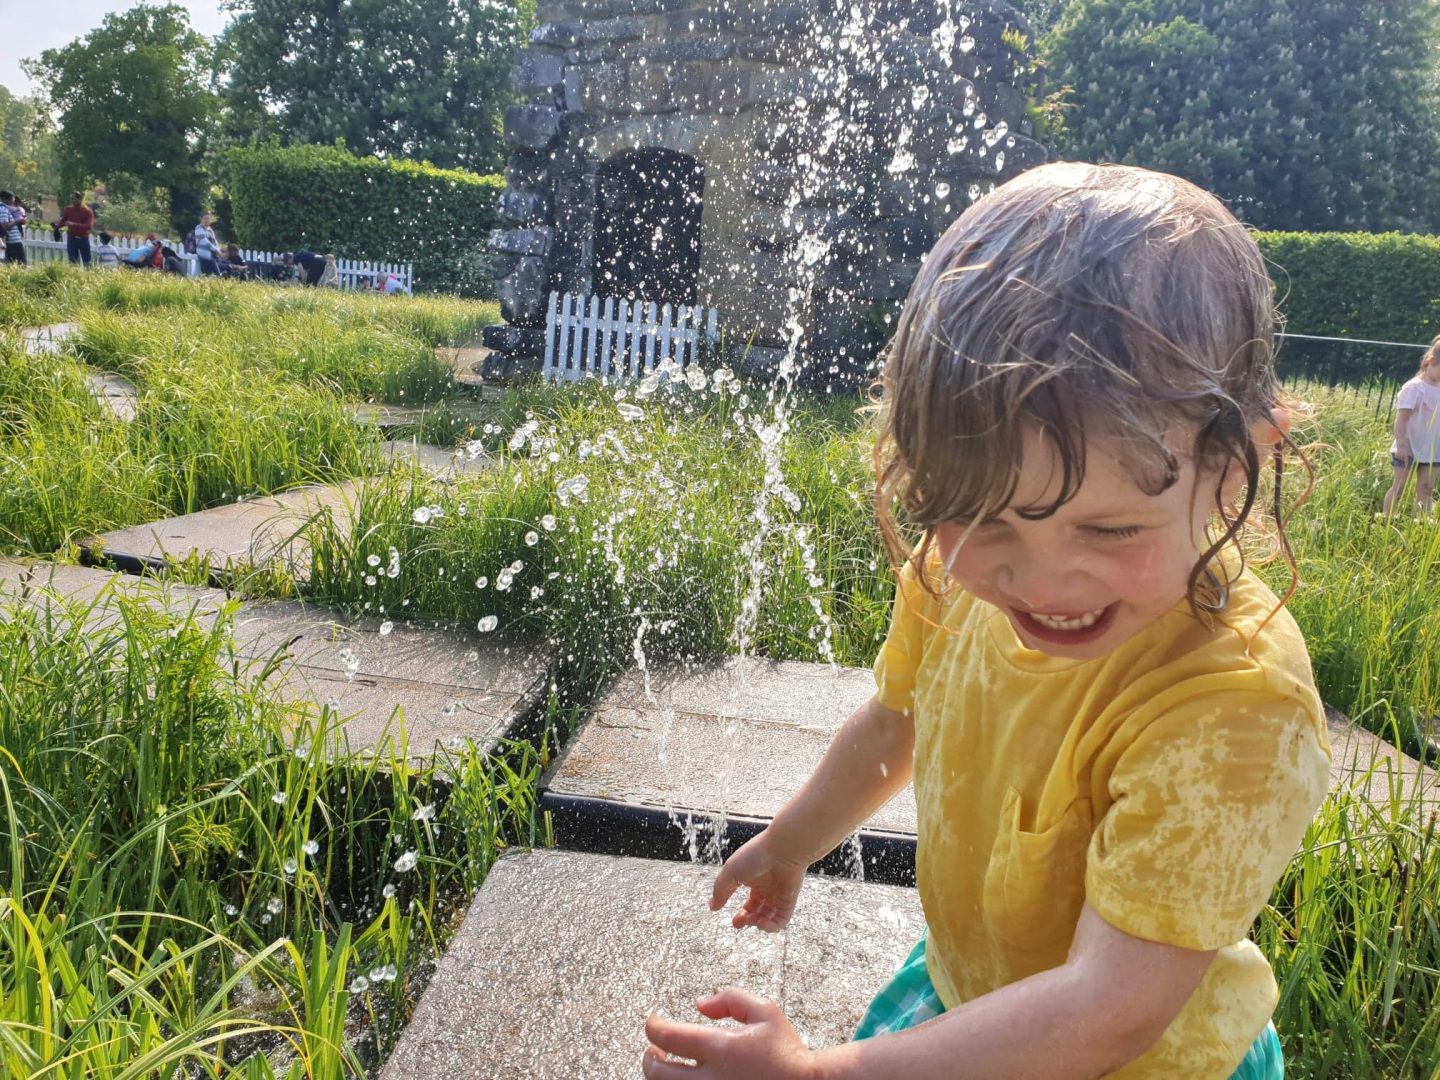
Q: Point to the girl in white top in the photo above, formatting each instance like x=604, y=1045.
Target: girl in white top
x=1416, y=449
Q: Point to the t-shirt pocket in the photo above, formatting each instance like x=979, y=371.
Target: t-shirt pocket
x=1035, y=881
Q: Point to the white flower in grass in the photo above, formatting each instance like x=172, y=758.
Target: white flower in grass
x=407, y=861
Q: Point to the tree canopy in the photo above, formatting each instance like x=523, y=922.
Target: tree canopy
x=134, y=100
x=1302, y=114
x=426, y=79
x=27, y=147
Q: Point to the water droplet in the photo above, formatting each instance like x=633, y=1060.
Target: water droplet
x=291, y=866
x=532, y=538
x=630, y=412
x=278, y=798
x=386, y=627
x=274, y=905
x=372, y=560
x=359, y=984
x=548, y=522
x=424, y=813
x=406, y=862
x=388, y=891
x=311, y=847
x=488, y=623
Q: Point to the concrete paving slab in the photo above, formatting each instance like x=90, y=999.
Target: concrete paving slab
x=436, y=460
x=451, y=687
x=253, y=533
x=730, y=743
x=563, y=955
x=465, y=361
x=1375, y=768
x=386, y=416
x=117, y=395
x=46, y=339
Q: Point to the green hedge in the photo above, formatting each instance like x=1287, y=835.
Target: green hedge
x=1369, y=285
x=322, y=198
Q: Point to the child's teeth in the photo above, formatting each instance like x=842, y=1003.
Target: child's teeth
x=1061, y=622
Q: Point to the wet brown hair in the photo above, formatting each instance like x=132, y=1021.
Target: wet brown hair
x=1432, y=356
x=1090, y=301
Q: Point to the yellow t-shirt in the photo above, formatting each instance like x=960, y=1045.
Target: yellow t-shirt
x=1168, y=784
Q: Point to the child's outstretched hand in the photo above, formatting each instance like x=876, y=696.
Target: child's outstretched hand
x=774, y=879
x=764, y=1047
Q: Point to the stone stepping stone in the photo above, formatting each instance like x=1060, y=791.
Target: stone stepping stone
x=445, y=464
x=387, y=417
x=451, y=687
x=117, y=395
x=652, y=774
x=564, y=954
x=465, y=361
x=46, y=339
x=1370, y=766
x=236, y=537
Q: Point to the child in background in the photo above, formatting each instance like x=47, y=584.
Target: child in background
x=330, y=275
x=1416, y=449
x=1111, y=722
x=107, y=255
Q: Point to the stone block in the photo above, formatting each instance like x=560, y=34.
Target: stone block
x=759, y=361
x=537, y=72
x=611, y=31
x=700, y=22
x=794, y=21
x=535, y=241
x=679, y=52
x=597, y=88
x=522, y=294
x=532, y=127
x=523, y=207
x=562, y=35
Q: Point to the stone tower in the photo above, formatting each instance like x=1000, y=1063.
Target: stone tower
x=787, y=162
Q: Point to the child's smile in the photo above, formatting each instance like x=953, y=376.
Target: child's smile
x=1104, y=566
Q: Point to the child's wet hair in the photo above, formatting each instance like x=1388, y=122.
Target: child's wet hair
x=1088, y=301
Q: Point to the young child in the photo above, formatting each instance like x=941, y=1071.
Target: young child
x=1111, y=724
x=107, y=255
x=1416, y=448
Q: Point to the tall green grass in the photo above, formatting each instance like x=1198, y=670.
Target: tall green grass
x=655, y=534
x=188, y=872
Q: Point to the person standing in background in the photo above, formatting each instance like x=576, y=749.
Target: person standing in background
x=12, y=223
x=205, y=246
x=1416, y=448
x=77, y=220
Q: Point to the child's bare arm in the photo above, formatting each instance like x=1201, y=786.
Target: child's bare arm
x=1109, y=1002
x=1402, y=440
x=868, y=761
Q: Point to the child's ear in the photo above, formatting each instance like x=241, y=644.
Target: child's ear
x=1265, y=434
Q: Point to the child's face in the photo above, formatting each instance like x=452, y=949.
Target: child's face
x=1107, y=564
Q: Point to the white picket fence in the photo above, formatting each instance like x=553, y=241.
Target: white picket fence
x=40, y=247
x=606, y=337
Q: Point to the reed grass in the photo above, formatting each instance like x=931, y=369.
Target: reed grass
x=189, y=869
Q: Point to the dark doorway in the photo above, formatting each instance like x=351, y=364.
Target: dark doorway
x=647, y=226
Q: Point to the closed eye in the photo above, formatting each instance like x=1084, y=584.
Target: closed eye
x=1119, y=532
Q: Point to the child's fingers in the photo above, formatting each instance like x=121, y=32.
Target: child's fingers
x=683, y=1040
x=736, y=1004
x=656, y=1066
x=725, y=885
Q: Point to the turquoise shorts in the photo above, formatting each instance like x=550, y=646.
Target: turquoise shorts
x=910, y=999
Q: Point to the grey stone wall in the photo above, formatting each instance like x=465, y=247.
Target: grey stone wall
x=837, y=140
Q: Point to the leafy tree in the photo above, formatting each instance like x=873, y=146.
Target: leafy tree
x=1303, y=114
x=426, y=79
x=27, y=148
x=134, y=101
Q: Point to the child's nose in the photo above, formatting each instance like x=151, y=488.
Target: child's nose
x=1039, y=582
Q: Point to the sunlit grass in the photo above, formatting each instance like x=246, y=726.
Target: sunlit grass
x=189, y=871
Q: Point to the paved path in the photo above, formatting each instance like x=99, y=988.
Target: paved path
x=563, y=955
x=451, y=686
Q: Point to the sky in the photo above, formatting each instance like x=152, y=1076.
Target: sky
x=32, y=27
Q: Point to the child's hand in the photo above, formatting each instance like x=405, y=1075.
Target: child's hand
x=764, y=1047
x=774, y=879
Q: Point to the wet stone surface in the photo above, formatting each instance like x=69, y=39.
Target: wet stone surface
x=563, y=955
x=451, y=687
x=1371, y=766
x=734, y=740
x=253, y=533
